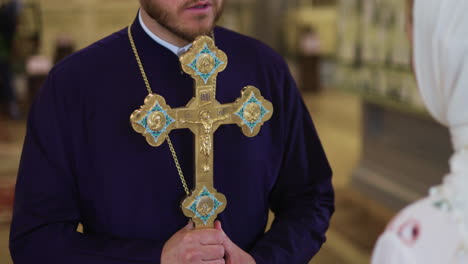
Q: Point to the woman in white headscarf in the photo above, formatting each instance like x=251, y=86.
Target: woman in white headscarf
x=435, y=229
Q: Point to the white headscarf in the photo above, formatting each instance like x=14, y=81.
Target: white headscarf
x=441, y=65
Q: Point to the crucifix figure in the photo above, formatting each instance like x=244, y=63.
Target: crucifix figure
x=202, y=115
x=205, y=139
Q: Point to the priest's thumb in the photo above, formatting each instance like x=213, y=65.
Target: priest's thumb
x=227, y=242
x=190, y=226
x=218, y=226
x=229, y=246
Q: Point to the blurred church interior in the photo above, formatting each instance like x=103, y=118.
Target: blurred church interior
x=351, y=61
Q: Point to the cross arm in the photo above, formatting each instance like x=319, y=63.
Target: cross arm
x=250, y=111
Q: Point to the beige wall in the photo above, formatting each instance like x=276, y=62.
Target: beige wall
x=239, y=16
x=323, y=19
x=84, y=20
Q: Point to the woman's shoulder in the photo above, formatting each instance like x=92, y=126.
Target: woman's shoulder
x=423, y=232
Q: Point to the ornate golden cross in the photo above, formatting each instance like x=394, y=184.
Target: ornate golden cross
x=202, y=115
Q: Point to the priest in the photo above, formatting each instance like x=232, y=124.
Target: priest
x=83, y=163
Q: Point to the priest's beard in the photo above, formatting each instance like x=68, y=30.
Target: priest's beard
x=171, y=21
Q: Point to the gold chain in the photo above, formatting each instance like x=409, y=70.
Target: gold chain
x=148, y=88
x=179, y=169
x=140, y=64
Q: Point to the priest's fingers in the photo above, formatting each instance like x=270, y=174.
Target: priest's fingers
x=206, y=237
x=212, y=252
x=193, y=246
x=202, y=254
x=218, y=261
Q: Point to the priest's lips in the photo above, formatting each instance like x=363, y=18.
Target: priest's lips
x=201, y=7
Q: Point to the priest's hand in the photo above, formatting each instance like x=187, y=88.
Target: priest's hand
x=234, y=254
x=189, y=246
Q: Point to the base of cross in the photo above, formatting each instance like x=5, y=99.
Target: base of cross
x=203, y=206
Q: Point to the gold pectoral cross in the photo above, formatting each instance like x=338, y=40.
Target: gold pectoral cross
x=202, y=115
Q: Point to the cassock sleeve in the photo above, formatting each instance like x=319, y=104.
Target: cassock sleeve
x=302, y=198
x=47, y=209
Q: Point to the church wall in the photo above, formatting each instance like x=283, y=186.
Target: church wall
x=83, y=20
x=239, y=16
x=374, y=53
x=321, y=18
x=404, y=150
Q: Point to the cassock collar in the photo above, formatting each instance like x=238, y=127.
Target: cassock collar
x=176, y=50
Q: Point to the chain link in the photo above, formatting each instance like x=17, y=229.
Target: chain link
x=148, y=88
x=179, y=169
x=140, y=64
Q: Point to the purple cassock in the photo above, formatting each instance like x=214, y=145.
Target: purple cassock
x=83, y=163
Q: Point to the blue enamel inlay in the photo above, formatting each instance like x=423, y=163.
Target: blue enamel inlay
x=216, y=205
x=217, y=63
x=144, y=121
x=263, y=112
